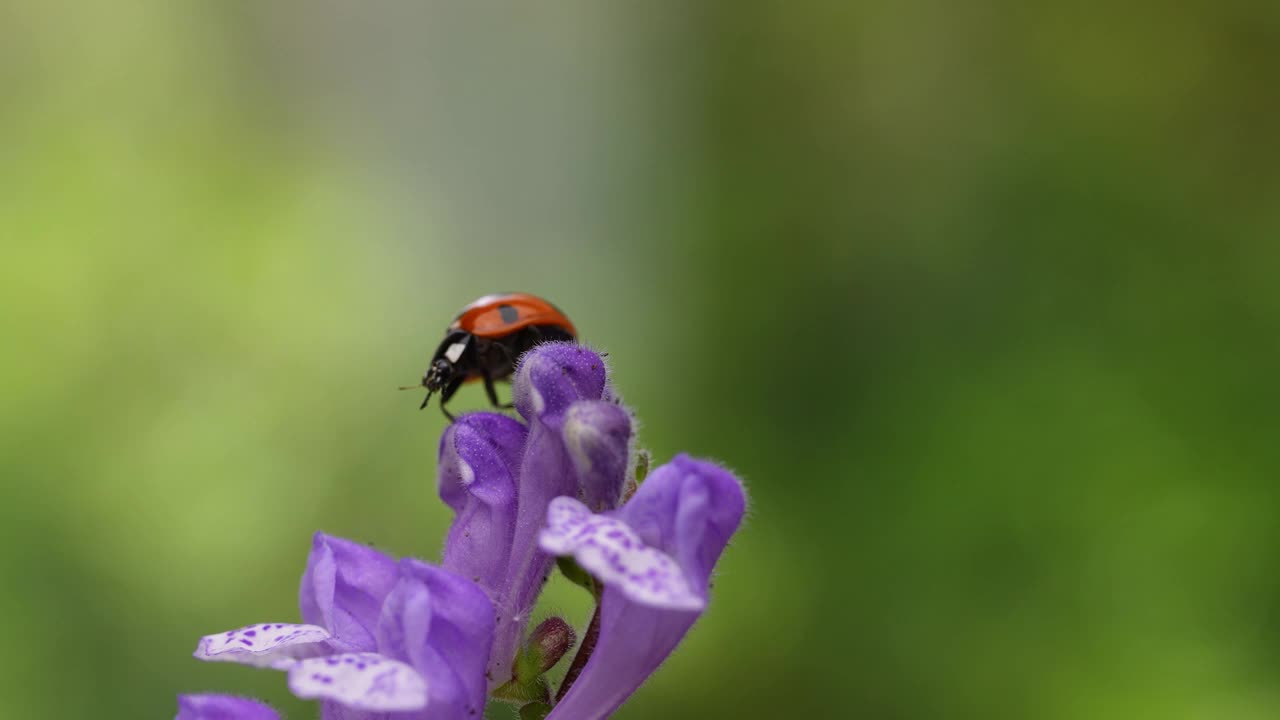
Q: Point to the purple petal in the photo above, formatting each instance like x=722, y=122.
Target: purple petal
x=330, y=710
x=552, y=376
x=223, y=707
x=442, y=625
x=688, y=509
x=274, y=645
x=478, y=470
x=597, y=434
x=343, y=589
x=613, y=553
x=360, y=681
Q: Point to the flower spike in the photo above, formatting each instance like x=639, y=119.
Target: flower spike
x=382, y=637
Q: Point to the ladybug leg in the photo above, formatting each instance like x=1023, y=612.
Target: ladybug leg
x=447, y=393
x=488, y=377
x=493, y=394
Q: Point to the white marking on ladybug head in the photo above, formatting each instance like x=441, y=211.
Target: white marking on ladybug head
x=455, y=351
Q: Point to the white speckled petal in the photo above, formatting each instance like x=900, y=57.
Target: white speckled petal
x=361, y=681
x=273, y=645
x=611, y=551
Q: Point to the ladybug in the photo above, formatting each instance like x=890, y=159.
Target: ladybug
x=486, y=338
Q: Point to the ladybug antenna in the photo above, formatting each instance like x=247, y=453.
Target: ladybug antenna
x=411, y=387
x=426, y=399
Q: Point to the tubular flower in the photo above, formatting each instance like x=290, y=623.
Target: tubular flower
x=379, y=636
x=654, y=556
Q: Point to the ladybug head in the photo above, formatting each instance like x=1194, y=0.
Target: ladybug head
x=438, y=375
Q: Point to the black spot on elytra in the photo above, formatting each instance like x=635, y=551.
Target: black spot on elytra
x=508, y=313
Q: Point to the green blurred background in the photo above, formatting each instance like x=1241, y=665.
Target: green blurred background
x=981, y=299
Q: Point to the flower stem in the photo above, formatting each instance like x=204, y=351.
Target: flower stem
x=584, y=654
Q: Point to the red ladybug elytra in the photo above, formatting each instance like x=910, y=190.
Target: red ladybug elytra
x=486, y=338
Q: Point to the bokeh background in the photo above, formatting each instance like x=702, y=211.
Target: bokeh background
x=981, y=299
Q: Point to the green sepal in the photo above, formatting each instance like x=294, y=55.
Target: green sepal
x=639, y=471
x=535, y=711
x=515, y=692
x=525, y=669
x=643, y=459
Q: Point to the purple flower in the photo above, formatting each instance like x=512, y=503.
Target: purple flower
x=655, y=558
x=500, y=475
x=380, y=636
x=223, y=707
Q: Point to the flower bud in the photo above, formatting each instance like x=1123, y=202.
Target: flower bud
x=548, y=642
x=597, y=434
x=552, y=376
